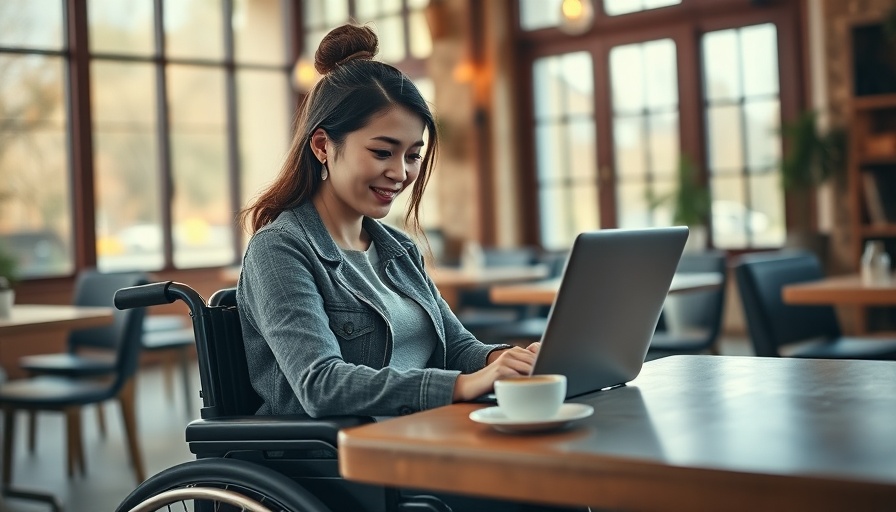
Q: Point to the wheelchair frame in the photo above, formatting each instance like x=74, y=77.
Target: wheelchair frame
x=289, y=462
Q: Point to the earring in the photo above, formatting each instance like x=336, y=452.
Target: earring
x=324, y=172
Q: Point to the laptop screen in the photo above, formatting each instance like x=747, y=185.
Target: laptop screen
x=608, y=304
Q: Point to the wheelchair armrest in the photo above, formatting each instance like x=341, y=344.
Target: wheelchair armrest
x=271, y=428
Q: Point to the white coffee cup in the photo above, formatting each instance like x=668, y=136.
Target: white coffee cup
x=535, y=397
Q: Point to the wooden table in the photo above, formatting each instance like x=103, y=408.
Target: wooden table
x=690, y=433
x=28, y=318
x=543, y=292
x=451, y=280
x=840, y=290
x=35, y=320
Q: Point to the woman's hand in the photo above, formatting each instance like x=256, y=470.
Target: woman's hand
x=510, y=362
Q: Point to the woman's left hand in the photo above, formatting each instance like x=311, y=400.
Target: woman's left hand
x=534, y=347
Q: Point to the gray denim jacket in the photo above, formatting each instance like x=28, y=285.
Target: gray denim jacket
x=316, y=340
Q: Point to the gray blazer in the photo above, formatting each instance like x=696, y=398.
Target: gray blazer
x=317, y=342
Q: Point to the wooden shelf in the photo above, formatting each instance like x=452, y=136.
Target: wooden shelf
x=872, y=143
x=878, y=230
x=870, y=161
x=875, y=101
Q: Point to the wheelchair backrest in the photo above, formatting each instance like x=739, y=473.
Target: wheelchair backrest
x=226, y=387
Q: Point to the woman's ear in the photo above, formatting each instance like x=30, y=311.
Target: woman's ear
x=319, y=144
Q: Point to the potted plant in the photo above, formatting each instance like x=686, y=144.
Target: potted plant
x=7, y=280
x=690, y=203
x=811, y=158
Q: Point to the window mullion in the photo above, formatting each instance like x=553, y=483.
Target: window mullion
x=166, y=183
x=233, y=167
x=80, y=135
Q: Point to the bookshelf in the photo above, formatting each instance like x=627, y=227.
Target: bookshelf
x=872, y=137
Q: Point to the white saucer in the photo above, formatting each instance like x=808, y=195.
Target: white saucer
x=494, y=417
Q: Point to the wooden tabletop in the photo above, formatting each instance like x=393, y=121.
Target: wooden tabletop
x=27, y=318
x=690, y=433
x=841, y=290
x=450, y=280
x=543, y=292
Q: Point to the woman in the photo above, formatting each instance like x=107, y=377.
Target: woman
x=338, y=314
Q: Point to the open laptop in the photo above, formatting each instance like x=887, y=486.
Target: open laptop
x=606, y=310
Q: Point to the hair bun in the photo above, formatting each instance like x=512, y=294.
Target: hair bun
x=343, y=44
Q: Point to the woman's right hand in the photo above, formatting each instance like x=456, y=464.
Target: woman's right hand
x=512, y=362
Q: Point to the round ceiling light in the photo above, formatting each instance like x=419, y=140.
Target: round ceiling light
x=576, y=16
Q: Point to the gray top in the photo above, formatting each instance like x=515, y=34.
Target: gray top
x=317, y=336
x=415, y=342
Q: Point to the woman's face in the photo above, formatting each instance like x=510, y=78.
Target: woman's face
x=375, y=164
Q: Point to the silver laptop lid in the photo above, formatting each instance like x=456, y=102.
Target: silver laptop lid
x=608, y=305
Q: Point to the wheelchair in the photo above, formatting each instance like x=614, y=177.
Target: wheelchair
x=244, y=461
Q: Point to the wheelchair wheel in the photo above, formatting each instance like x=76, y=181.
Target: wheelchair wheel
x=220, y=484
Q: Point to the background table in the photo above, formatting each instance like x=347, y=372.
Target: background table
x=544, y=292
x=842, y=291
x=450, y=280
x=34, y=320
x=690, y=433
x=27, y=318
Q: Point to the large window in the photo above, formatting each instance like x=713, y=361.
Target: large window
x=35, y=190
x=538, y=14
x=678, y=87
x=221, y=86
x=189, y=110
x=565, y=147
x=743, y=114
x=646, y=144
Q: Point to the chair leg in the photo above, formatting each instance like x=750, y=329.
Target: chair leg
x=9, y=416
x=101, y=420
x=185, y=376
x=126, y=398
x=32, y=431
x=74, y=444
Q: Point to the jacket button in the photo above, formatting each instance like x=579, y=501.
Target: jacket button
x=404, y=411
x=348, y=327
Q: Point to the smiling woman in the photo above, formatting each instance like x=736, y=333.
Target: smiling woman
x=338, y=315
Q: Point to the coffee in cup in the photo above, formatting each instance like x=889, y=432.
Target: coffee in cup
x=530, y=398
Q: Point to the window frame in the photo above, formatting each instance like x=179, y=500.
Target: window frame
x=685, y=24
x=77, y=91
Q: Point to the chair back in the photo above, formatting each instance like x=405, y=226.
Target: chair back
x=703, y=310
x=771, y=322
x=127, y=326
x=226, y=387
x=96, y=289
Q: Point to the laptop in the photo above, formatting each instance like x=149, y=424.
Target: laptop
x=609, y=302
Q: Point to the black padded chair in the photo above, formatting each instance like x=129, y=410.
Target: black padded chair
x=253, y=450
x=68, y=395
x=692, y=321
x=778, y=329
x=91, y=352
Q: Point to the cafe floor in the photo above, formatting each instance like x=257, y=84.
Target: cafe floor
x=161, y=420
